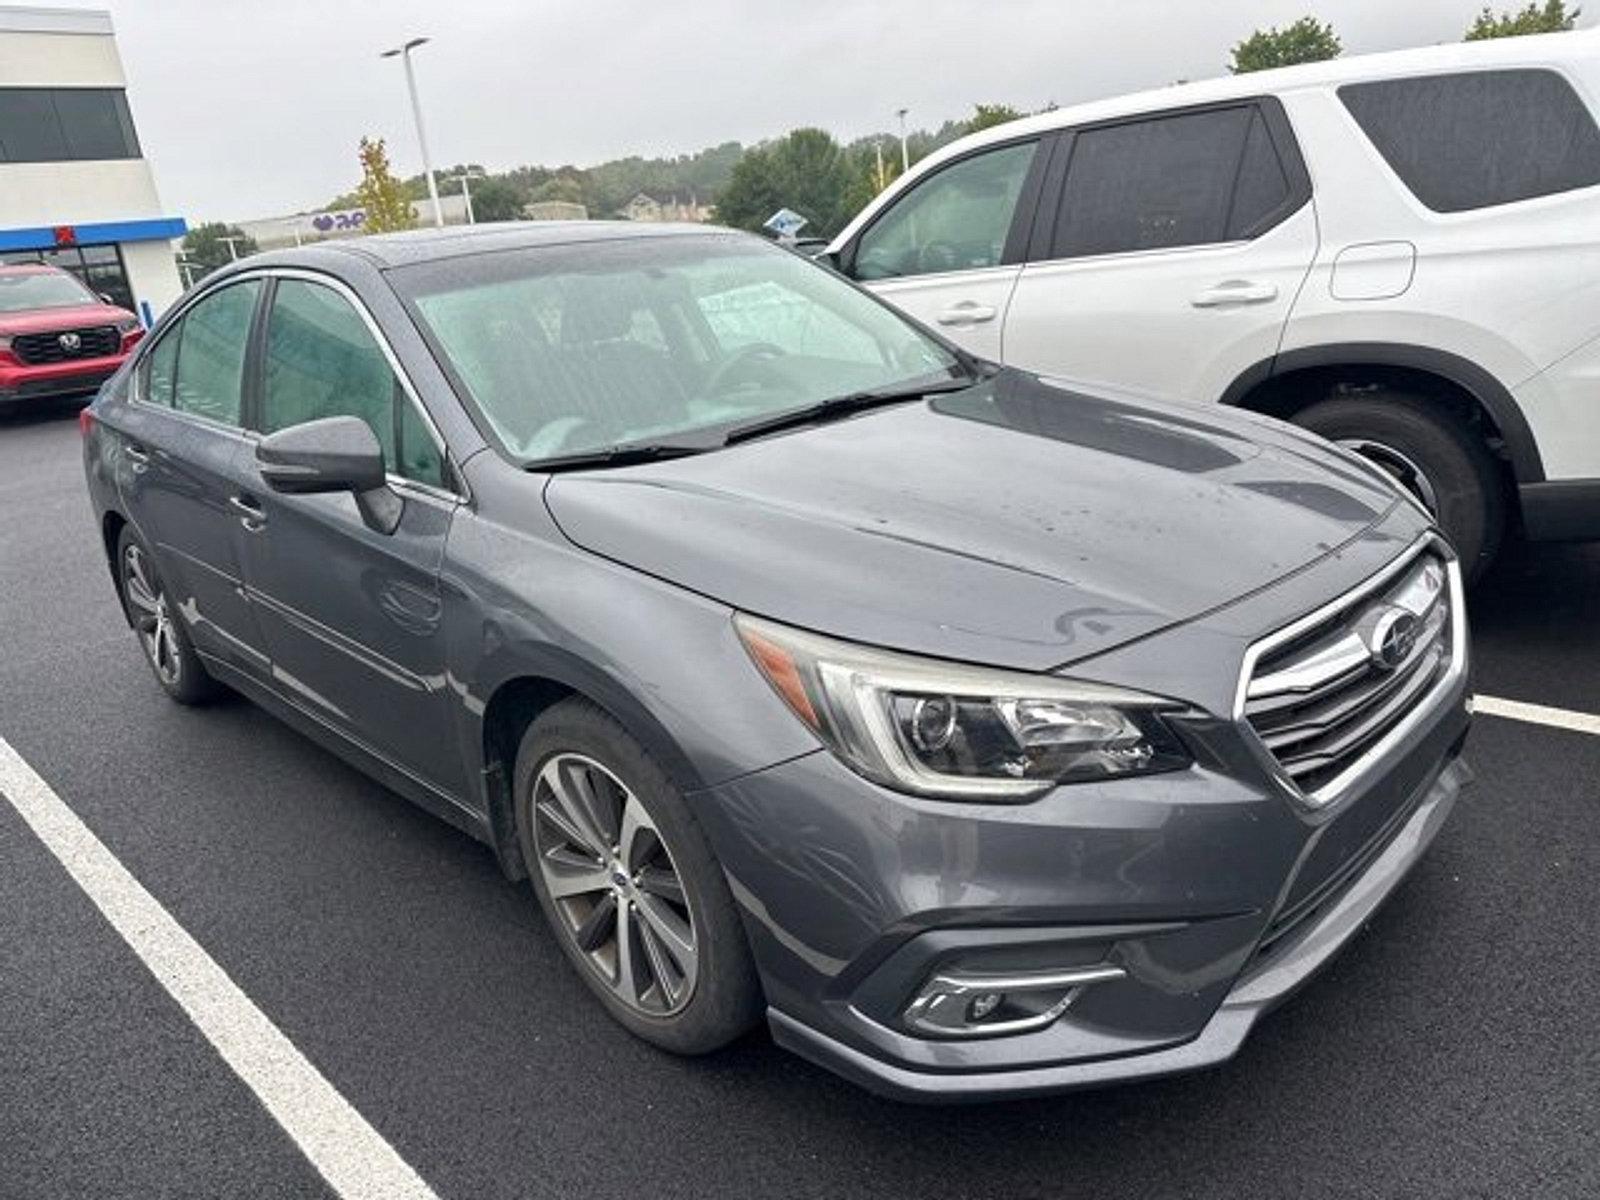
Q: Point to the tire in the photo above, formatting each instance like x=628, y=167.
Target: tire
x=578, y=773
x=158, y=625
x=1460, y=485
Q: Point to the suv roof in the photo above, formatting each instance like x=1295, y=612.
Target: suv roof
x=1543, y=49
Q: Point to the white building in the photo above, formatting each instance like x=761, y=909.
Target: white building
x=75, y=190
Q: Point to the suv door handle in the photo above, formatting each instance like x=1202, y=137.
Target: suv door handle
x=968, y=312
x=251, y=515
x=1235, y=291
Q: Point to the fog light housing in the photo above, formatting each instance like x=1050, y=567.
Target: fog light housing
x=966, y=1004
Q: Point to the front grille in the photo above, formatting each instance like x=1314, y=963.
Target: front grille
x=58, y=345
x=1323, y=697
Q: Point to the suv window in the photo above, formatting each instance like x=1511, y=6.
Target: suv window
x=955, y=220
x=323, y=361
x=1187, y=179
x=1479, y=138
x=198, y=366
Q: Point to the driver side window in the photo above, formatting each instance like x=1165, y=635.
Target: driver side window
x=955, y=220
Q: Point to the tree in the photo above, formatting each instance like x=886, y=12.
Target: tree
x=987, y=116
x=380, y=193
x=497, y=200
x=205, y=245
x=806, y=171
x=1307, y=40
x=1550, y=17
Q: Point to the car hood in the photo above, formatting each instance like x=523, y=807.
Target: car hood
x=77, y=316
x=1015, y=523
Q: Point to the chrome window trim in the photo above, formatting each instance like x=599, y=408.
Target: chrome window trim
x=1340, y=786
x=306, y=275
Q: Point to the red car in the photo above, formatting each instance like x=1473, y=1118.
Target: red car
x=57, y=338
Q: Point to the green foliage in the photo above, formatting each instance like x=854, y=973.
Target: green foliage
x=1307, y=40
x=380, y=193
x=1550, y=17
x=806, y=171
x=497, y=200
x=987, y=116
x=204, y=245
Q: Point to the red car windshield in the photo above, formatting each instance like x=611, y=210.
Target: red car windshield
x=30, y=290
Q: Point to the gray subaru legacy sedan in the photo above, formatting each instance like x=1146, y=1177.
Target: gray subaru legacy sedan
x=986, y=737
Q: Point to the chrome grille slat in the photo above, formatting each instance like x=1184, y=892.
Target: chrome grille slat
x=1318, y=708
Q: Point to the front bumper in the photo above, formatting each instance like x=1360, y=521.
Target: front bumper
x=1270, y=978
x=80, y=377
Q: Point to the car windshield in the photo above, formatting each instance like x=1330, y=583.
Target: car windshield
x=572, y=349
x=41, y=289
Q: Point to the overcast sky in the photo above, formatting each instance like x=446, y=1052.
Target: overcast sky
x=252, y=108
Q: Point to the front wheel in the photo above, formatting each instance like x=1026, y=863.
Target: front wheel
x=629, y=885
x=1434, y=457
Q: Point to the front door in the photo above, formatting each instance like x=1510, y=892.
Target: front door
x=353, y=617
x=181, y=447
x=946, y=251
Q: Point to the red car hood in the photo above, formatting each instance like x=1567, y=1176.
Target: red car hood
x=78, y=316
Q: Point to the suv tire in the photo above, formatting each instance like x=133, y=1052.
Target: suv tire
x=1403, y=434
x=654, y=858
x=158, y=625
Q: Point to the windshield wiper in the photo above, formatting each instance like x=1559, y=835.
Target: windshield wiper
x=840, y=406
x=617, y=456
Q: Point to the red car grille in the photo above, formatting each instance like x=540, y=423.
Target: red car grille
x=64, y=345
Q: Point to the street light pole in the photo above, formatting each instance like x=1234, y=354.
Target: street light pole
x=905, y=153
x=233, y=246
x=404, y=53
x=466, y=191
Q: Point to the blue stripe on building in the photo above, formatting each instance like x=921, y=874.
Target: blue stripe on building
x=46, y=237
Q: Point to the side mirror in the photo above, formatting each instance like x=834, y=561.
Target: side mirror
x=334, y=454
x=105, y=298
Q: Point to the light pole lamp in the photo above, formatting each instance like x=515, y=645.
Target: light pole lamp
x=466, y=190
x=404, y=54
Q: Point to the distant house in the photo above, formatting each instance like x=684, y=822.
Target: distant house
x=555, y=210
x=666, y=206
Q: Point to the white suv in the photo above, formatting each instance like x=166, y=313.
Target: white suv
x=1400, y=252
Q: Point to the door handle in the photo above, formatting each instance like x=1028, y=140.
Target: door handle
x=1236, y=291
x=968, y=312
x=251, y=515
x=138, y=456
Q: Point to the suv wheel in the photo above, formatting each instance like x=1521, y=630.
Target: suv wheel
x=629, y=885
x=156, y=622
x=1432, y=456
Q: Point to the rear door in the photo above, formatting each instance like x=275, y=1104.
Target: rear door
x=949, y=250
x=181, y=445
x=353, y=618
x=1170, y=255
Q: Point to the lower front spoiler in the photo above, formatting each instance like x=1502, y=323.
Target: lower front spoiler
x=1261, y=987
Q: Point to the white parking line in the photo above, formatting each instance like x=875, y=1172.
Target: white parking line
x=1536, y=714
x=349, y=1153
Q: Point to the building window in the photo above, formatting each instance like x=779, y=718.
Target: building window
x=100, y=267
x=65, y=125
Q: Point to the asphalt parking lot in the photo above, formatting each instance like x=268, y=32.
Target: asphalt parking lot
x=1451, y=1051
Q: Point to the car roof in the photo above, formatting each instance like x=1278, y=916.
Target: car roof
x=385, y=250
x=1538, y=50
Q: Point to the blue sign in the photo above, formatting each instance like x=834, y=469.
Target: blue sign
x=785, y=223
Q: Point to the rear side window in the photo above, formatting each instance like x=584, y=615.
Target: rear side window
x=209, y=372
x=1189, y=179
x=1481, y=138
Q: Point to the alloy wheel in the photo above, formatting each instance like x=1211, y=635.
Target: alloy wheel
x=614, y=885
x=152, y=615
x=1402, y=467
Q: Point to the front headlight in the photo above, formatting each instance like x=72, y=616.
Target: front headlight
x=126, y=325
x=948, y=729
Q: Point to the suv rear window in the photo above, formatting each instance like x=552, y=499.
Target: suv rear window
x=1480, y=138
